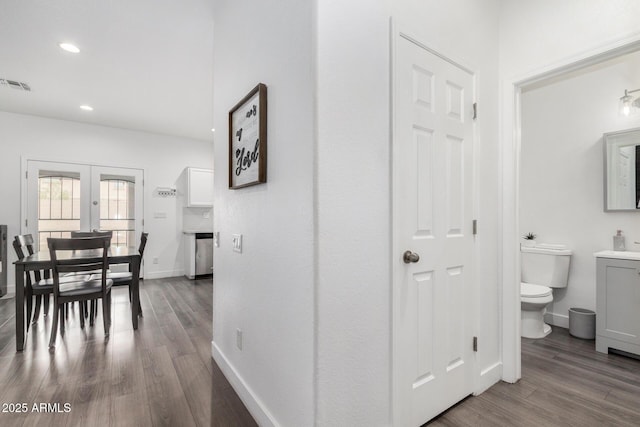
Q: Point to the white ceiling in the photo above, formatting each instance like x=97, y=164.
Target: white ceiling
x=144, y=64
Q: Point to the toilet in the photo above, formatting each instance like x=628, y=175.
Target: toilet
x=544, y=267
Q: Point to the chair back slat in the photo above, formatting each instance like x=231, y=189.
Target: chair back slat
x=22, y=243
x=94, y=233
x=63, y=267
x=26, y=241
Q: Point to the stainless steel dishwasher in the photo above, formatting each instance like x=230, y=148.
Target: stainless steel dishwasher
x=204, y=254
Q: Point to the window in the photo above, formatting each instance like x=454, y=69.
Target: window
x=58, y=206
x=117, y=210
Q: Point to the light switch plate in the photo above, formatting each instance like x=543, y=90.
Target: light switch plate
x=239, y=339
x=216, y=239
x=237, y=243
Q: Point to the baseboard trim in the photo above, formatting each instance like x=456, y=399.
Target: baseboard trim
x=163, y=274
x=254, y=405
x=488, y=377
x=554, y=319
x=11, y=291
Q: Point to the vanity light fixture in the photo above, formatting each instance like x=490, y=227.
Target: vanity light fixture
x=627, y=102
x=69, y=47
x=86, y=107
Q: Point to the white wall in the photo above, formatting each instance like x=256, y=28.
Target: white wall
x=353, y=205
x=561, y=186
x=268, y=290
x=537, y=34
x=317, y=304
x=162, y=157
x=535, y=37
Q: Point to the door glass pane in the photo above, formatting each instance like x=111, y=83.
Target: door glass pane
x=58, y=205
x=117, y=212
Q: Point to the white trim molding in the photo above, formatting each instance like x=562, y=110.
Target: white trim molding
x=256, y=408
x=510, y=141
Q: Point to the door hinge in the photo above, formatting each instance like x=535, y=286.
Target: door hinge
x=26, y=175
x=143, y=222
x=475, y=343
x=26, y=222
x=475, y=227
x=475, y=110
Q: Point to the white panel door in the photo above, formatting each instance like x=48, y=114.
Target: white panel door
x=432, y=218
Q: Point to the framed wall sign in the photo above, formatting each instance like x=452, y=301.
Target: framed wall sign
x=248, y=139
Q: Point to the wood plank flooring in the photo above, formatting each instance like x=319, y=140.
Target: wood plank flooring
x=565, y=382
x=160, y=375
x=163, y=374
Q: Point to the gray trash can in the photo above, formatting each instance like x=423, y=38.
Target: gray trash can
x=582, y=323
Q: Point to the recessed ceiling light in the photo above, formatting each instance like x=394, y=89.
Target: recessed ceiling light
x=69, y=47
x=86, y=107
x=213, y=130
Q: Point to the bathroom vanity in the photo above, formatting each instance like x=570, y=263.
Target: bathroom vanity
x=618, y=301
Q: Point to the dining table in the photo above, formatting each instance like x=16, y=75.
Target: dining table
x=42, y=261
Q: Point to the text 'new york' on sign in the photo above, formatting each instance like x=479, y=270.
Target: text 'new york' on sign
x=248, y=139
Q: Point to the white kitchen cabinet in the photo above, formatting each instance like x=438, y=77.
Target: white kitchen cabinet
x=199, y=187
x=618, y=303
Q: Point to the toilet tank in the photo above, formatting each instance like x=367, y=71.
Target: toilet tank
x=547, y=266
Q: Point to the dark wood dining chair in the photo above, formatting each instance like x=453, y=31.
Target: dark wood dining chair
x=125, y=277
x=38, y=283
x=92, y=312
x=66, y=258
x=34, y=285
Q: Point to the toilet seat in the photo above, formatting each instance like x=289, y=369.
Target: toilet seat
x=530, y=290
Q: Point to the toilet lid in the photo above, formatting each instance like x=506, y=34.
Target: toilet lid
x=530, y=290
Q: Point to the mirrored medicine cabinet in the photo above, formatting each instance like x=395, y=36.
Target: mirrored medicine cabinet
x=622, y=170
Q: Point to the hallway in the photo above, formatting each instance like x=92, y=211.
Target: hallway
x=161, y=375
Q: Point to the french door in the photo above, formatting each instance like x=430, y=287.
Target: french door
x=65, y=197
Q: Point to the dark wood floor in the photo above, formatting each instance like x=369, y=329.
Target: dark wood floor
x=160, y=375
x=163, y=374
x=565, y=382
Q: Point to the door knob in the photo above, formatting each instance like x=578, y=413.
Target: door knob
x=409, y=256
x=95, y=203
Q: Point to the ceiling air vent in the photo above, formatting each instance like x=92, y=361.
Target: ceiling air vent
x=15, y=85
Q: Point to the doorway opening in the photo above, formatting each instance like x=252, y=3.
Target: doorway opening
x=513, y=196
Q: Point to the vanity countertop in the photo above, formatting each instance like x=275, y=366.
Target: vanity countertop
x=634, y=256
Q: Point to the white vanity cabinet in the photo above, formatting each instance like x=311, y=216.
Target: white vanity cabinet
x=618, y=301
x=199, y=187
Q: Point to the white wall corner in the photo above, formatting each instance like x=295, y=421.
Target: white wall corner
x=254, y=405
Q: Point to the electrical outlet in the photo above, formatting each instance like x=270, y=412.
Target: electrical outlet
x=155, y=260
x=237, y=243
x=239, y=339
